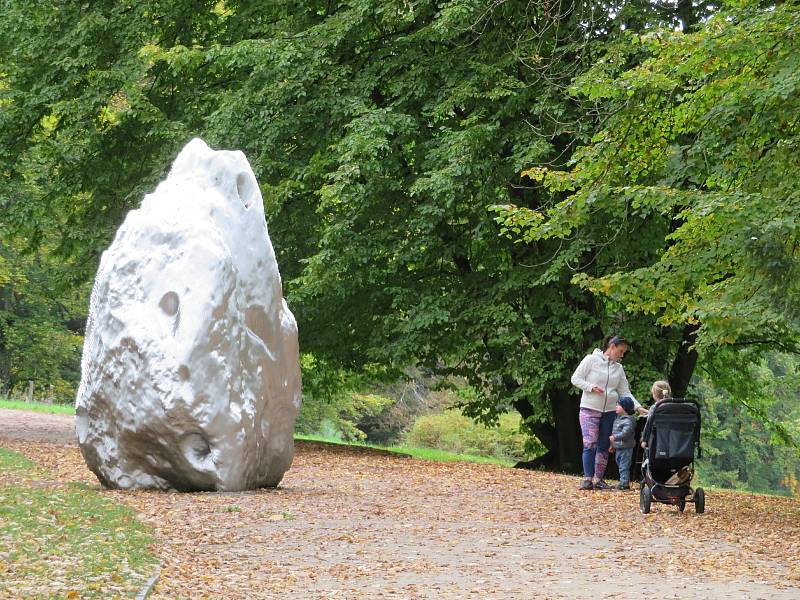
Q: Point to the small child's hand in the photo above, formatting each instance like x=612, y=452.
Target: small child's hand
x=611, y=450
x=612, y=438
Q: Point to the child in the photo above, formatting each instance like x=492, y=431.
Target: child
x=622, y=439
x=660, y=391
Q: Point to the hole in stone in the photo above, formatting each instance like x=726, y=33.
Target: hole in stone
x=195, y=447
x=170, y=303
x=244, y=187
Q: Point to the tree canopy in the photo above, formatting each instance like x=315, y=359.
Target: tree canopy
x=701, y=138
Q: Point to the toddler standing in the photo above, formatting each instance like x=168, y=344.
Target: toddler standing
x=622, y=439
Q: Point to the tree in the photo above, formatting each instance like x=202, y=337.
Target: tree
x=698, y=146
x=422, y=110
x=39, y=330
x=87, y=125
x=86, y=128
x=746, y=427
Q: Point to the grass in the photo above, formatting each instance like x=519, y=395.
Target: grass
x=421, y=453
x=16, y=464
x=66, y=541
x=443, y=456
x=62, y=409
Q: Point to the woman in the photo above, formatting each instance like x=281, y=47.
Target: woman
x=603, y=382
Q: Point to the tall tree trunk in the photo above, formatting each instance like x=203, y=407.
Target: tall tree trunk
x=687, y=15
x=545, y=433
x=565, y=405
x=680, y=374
x=562, y=440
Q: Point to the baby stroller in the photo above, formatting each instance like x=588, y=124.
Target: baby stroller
x=672, y=433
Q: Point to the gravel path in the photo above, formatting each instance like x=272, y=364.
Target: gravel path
x=358, y=524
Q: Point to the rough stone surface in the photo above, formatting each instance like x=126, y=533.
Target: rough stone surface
x=190, y=374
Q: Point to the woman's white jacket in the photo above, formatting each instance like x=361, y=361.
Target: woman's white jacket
x=609, y=375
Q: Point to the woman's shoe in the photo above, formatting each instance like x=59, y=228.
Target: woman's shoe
x=586, y=484
x=602, y=485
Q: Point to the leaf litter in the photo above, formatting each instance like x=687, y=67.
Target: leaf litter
x=351, y=523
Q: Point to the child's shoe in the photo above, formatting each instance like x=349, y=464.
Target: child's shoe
x=624, y=486
x=586, y=484
x=602, y=485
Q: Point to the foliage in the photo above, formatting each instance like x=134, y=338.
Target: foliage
x=87, y=125
x=745, y=430
x=36, y=342
x=379, y=131
x=67, y=541
x=695, y=162
x=86, y=128
x=452, y=431
x=416, y=393
x=332, y=404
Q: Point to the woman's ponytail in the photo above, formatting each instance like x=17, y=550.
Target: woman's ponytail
x=606, y=340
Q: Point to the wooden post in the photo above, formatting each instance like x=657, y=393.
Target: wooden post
x=29, y=397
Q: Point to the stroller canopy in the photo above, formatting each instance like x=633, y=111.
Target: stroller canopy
x=673, y=431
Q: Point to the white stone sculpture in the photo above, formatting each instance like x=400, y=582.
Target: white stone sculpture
x=190, y=374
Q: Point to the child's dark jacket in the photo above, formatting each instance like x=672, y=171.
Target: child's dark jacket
x=624, y=431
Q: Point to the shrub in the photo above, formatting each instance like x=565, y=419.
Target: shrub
x=332, y=407
x=410, y=399
x=453, y=432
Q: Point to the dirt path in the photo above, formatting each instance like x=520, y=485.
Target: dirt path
x=357, y=524
x=37, y=427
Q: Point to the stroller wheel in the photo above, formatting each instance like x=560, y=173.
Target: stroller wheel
x=699, y=500
x=681, y=505
x=645, y=498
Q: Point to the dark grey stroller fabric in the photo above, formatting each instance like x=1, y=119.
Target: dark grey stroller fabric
x=672, y=431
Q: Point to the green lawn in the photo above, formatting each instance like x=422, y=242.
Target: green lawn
x=421, y=453
x=66, y=541
x=66, y=409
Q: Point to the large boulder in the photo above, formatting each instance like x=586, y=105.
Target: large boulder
x=190, y=374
